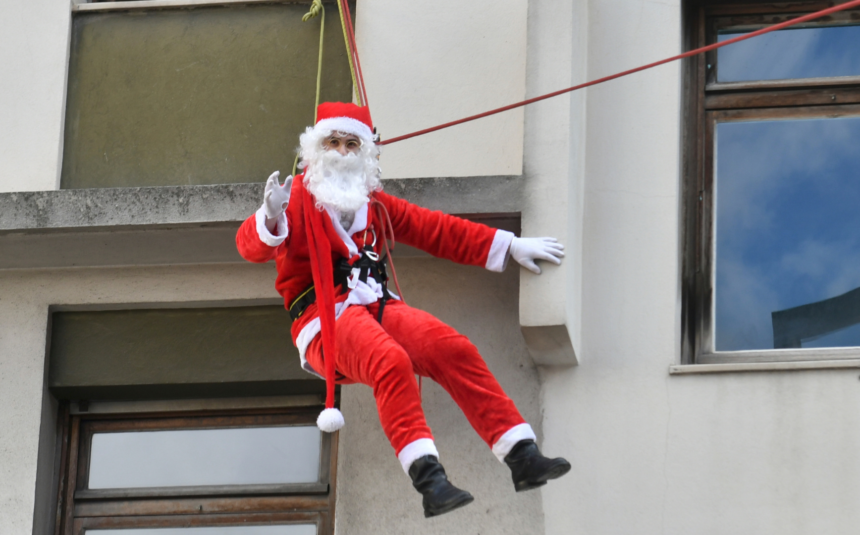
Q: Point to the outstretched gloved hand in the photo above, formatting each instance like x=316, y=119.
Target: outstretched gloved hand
x=276, y=197
x=526, y=250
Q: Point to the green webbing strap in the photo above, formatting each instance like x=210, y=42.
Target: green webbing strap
x=349, y=54
x=316, y=9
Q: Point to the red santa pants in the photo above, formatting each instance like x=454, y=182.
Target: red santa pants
x=386, y=357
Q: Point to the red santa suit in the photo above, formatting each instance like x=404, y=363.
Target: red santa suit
x=408, y=341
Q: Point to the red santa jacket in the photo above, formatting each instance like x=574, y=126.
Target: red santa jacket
x=434, y=232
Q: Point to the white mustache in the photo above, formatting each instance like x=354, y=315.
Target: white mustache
x=339, y=181
x=335, y=163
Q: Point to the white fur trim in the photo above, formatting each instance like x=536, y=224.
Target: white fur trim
x=497, y=260
x=359, y=223
x=504, y=445
x=330, y=420
x=415, y=450
x=281, y=228
x=360, y=293
x=347, y=125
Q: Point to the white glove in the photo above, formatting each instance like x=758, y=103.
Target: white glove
x=276, y=197
x=526, y=250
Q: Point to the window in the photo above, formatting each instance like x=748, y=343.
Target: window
x=185, y=93
x=196, y=418
x=772, y=186
x=228, y=472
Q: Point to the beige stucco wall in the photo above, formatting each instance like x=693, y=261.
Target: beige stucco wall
x=33, y=57
x=427, y=63
x=375, y=496
x=554, y=163
x=727, y=454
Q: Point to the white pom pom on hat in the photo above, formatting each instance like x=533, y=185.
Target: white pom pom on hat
x=330, y=420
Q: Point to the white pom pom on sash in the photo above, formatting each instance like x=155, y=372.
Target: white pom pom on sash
x=330, y=420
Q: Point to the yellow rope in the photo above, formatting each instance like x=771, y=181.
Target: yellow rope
x=316, y=9
x=349, y=54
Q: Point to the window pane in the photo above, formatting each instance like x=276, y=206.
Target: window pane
x=787, y=240
x=210, y=95
x=793, y=53
x=303, y=529
x=239, y=456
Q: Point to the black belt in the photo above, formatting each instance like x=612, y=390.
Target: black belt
x=369, y=265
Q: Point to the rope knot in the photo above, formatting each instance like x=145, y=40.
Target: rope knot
x=316, y=9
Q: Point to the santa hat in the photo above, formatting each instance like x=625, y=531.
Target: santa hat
x=345, y=117
x=351, y=119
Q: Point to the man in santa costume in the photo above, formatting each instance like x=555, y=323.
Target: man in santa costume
x=326, y=231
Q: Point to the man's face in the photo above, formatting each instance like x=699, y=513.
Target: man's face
x=334, y=179
x=343, y=144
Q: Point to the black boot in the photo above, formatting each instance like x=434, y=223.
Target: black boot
x=440, y=496
x=530, y=469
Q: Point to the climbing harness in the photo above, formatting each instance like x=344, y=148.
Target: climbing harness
x=346, y=275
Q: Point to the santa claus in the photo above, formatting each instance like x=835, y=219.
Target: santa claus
x=326, y=231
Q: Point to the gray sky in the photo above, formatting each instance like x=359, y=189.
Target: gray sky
x=205, y=457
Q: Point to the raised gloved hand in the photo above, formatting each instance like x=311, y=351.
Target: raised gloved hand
x=276, y=197
x=526, y=250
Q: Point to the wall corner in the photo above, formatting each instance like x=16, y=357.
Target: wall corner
x=550, y=345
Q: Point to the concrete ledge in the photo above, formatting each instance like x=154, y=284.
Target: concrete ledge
x=191, y=224
x=121, y=207
x=139, y=207
x=462, y=195
x=695, y=369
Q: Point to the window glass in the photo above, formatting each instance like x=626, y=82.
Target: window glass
x=212, y=95
x=787, y=234
x=792, y=53
x=192, y=457
x=304, y=529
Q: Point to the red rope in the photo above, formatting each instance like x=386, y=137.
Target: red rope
x=775, y=27
x=387, y=233
x=388, y=228
x=351, y=33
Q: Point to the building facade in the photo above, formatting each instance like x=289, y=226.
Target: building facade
x=690, y=391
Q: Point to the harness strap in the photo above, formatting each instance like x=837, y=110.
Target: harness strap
x=342, y=271
x=302, y=302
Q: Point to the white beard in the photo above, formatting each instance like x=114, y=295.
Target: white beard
x=340, y=182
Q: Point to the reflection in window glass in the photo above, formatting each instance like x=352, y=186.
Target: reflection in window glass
x=787, y=234
x=303, y=529
x=842, y=337
x=793, y=53
x=190, y=457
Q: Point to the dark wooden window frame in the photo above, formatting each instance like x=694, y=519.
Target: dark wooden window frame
x=707, y=101
x=209, y=2
x=80, y=508
x=125, y=5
